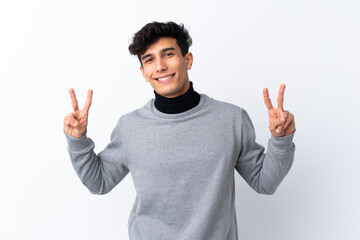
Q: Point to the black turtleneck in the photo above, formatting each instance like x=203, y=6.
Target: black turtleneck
x=177, y=104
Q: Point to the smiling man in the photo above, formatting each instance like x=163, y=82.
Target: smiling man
x=182, y=148
x=164, y=66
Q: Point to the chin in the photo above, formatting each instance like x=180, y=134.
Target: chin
x=165, y=91
x=170, y=90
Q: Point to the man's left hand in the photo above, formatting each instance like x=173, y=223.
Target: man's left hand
x=281, y=123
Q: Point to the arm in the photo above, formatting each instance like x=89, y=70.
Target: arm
x=99, y=173
x=263, y=172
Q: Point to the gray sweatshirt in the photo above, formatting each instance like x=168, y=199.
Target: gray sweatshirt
x=182, y=167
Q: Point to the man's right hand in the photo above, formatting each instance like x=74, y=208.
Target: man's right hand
x=75, y=123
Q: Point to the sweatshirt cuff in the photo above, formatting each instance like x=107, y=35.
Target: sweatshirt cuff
x=78, y=143
x=282, y=144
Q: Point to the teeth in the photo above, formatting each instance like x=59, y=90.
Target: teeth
x=165, y=78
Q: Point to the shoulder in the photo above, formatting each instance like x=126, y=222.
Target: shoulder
x=132, y=117
x=222, y=107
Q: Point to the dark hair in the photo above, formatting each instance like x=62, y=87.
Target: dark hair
x=151, y=33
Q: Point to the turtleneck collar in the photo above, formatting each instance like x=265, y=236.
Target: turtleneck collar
x=177, y=104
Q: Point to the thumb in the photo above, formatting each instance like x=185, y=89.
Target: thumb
x=74, y=123
x=70, y=121
x=284, y=116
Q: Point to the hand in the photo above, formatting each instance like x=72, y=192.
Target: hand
x=75, y=123
x=281, y=123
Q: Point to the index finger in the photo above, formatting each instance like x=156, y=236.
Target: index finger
x=74, y=101
x=280, y=99
x=267, y=99
x=88, y=100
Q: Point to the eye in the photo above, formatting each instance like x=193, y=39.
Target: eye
x=148, y=60
x=169, y=54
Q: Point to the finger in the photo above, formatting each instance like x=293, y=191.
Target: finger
x=74, y=101
x=275, y=124
x=88, y=100
x=267, y=99
x=72, y=122
x=280, y=99
x=284, y=116
x=69, y=119
x=289, y=120
x=281, y=119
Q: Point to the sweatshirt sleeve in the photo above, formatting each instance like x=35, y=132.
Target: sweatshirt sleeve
x=263, y=171
x=99, y=173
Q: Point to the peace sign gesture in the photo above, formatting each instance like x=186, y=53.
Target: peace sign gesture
x=75, y=123
x=281, y=123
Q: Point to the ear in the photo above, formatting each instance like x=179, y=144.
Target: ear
x=143, y=73
x=189, y=60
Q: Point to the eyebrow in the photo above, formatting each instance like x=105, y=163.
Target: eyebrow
x=163, y=50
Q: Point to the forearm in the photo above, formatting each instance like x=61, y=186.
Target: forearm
x=99, y=173
x=264, y=171
x=276, y=163
x=85, y=161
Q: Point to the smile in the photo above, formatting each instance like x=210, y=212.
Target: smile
x=165, y=78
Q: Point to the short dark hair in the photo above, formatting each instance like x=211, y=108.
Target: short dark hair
x=152, y=32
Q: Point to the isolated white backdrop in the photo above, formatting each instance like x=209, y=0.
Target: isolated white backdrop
x=239, y=47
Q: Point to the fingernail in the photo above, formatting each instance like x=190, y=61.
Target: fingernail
x=282, y=119
x=278, y=130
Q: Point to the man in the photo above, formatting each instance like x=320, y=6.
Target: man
x=181, y=147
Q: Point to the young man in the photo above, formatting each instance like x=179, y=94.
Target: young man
x=181, y=147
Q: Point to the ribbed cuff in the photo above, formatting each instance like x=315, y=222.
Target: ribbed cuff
x=78, y=143
x=282, y=144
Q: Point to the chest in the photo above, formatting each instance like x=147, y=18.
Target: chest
x=175, y=153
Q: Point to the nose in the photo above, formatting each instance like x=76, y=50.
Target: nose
x=160, y=65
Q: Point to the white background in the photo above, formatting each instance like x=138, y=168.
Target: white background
x=239, y=47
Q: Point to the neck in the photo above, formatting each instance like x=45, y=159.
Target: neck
x=177, y=104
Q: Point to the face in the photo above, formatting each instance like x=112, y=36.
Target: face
x=166, y=68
